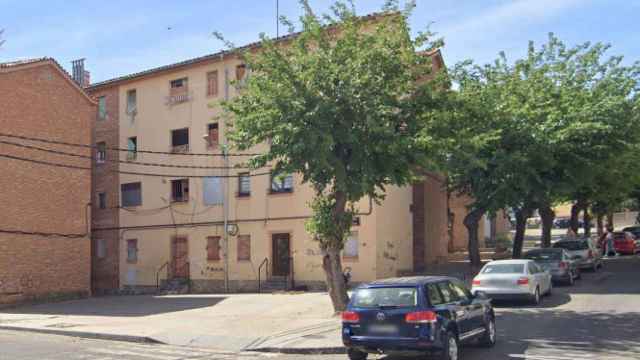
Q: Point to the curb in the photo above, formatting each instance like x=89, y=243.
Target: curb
x=303, y=351
x=86, y=335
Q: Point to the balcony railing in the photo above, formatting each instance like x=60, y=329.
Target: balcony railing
x=180, y=148
x=178, y=98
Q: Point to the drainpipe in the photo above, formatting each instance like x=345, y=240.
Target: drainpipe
x=225, y=151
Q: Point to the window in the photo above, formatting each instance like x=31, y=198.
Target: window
x=180, y=140
x=131, y=194
x=180, y=190
x=461, y=291
x=244, y=247
x=102, y=107
x=101, y=152
x=132, y=107
x=355, y=221
x=132, y=146
x=447, y=293
x=213, y=248
x=351, y=246
x=434, y=295
x=241, y=72
x=244, y=184
x=503, y=269
x=212, y=191
x=212, y=83
x=102, y=200
x=212, y=133
x=132, y=250
x=281, y=183
x=386, y=296
x=101, y=249
x=178, y=86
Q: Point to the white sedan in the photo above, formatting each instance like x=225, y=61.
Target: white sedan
x=513, y=279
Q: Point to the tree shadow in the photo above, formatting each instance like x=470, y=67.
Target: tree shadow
x=132, y=306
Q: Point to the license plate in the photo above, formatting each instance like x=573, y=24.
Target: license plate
x=383, y=329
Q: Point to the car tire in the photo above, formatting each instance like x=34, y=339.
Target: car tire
x=356, y=354
x=536, y=298
x=451, y=350
x=489, y=337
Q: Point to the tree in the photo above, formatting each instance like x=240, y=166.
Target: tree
x=340, y=103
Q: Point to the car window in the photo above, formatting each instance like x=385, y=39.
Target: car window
x=460, y=290
x=435, y=298
x=386, y=296
x=503, y=269
x=543, y=255
x=571, y=245
x=447, y=293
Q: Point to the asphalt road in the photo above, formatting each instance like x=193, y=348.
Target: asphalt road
x=598, y=318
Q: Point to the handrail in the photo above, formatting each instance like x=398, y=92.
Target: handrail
x=165, y=265
x=188, y=265
x=264, y=263
x=292, y=284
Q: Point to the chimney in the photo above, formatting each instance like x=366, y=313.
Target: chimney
x=80, y=76
x=86, y=79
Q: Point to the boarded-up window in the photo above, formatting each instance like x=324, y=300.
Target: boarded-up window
x=132, y=250
x=351, y=246
x=244, y=247
x=101, y=249
x=213, y=248
x=131, y=194
x=212, y=191
x=212, y=83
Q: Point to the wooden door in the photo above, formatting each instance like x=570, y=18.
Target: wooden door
x=281, y=253
x=180, y=257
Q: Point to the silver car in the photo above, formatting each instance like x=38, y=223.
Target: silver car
x=582, y=250
x=513, y=280
x=558, y=262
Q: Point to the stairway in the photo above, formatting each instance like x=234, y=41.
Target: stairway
x=175, y=286
x=274, y=284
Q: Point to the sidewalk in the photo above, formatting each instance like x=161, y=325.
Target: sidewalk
x=290, y=323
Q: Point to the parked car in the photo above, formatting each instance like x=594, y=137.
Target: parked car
x=583, y=251
x=513, y=280
x=624, y=242
x=562, y=223
x=416, y=315
x=558, y=262
x=635, y=231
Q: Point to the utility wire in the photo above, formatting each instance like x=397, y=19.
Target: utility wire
x=49, y=141
x=48, y=163
x=38, y=233
x=64, y=153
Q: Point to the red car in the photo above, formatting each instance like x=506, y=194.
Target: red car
x=624, y=242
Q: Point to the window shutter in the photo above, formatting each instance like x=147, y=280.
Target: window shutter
x=244, y=247
x=213, y=248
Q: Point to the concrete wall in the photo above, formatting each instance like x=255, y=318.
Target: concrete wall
x=39, y=100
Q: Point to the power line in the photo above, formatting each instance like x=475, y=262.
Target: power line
x=58, y=152
x=76, y=167
x=49, y=141
x=46, y=234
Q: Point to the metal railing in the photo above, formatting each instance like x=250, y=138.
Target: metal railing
x=291, y=278
x=165, y=265
x=265, y=264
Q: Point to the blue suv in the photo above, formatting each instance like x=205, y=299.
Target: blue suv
x=416, y=315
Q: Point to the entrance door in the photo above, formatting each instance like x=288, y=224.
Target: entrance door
x=180, y=257
x=280, y=246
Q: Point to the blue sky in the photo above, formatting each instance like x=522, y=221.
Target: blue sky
x=120, y=37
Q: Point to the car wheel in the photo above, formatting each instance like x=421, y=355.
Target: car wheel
x=489, y=337
x=450, y=350
x=536, y=297
x=356, y=354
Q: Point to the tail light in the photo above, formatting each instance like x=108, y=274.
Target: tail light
x=421, y=317
x=523, y=281
x=350, y=317
x=475, y=282
x=563, y=265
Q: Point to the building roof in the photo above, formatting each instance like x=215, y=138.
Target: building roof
x=25, y=63
x=214, y=57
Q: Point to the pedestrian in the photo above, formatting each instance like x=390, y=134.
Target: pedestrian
x=609, y=247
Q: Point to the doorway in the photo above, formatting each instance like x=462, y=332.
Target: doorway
x=179, y=258
x=281, y=254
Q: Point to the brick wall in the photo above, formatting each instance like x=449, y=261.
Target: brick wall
x=105, y=269
x=38, y=100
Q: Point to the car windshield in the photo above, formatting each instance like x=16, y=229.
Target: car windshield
x=544, y=256
x=503, y=269
x=571, y=245
x=386, y=297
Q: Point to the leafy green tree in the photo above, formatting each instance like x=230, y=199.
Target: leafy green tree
x=340, y=103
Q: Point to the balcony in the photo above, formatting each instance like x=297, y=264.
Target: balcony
x=179, y=148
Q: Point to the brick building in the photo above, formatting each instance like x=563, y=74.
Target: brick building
x=45, y=247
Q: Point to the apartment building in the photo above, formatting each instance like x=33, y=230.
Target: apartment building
x=44, y=227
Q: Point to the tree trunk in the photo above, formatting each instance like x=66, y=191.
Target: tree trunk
x=599, y=225
x=522, y=215
x=546, y=215
x=332, y=263
x=471, y=222
x=586, y=219
x=610, y=220
x=573, y=222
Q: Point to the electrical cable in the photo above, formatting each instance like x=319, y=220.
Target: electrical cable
x=64, y=153
x=48, y=141
x=45, y=234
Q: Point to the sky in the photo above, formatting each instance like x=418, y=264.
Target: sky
x=119, y=37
